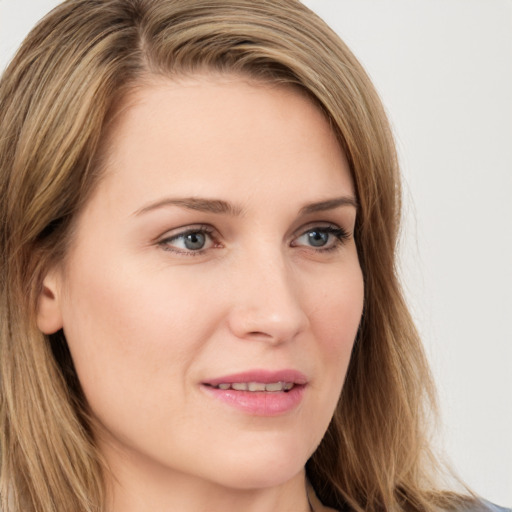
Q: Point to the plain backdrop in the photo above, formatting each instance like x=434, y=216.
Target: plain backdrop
x=444, y=71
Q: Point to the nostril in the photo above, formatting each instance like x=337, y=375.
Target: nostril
x=260, y=333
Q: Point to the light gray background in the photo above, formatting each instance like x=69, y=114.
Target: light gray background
x=444, y=71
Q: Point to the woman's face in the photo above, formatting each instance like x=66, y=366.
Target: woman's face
x=212, y=291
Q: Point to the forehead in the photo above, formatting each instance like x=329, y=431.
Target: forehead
x=210, y=99
x=202, y=131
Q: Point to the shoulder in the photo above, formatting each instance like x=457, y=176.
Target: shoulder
x=484, y=506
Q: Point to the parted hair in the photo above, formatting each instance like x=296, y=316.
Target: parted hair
x=57, y=98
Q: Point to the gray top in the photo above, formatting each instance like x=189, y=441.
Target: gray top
x=486, y=506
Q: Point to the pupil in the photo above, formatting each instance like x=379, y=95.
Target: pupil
x=318, y=238
x=195, y=241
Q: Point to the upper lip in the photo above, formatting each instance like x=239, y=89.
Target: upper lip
x=260, y=375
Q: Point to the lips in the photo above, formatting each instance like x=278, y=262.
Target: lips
x=259, y=392
x=261, y=376
x=271, y=387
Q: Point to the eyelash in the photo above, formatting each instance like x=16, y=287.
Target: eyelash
x=206, y=230
x=339, y=233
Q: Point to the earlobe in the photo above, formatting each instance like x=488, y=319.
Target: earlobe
x=49, y=316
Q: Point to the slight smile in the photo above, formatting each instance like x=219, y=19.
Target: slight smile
x=259, y=392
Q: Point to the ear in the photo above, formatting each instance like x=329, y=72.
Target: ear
x=49, y=316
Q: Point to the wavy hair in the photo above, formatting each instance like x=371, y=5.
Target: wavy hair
x=57, y=99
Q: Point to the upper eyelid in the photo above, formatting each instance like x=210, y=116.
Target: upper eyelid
x=320, y=224
x=184, y=230
x=331, y=229
x=209, y=229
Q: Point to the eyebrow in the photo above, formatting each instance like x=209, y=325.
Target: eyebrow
x=329, y=204
x=219, y=206
x=194, y=203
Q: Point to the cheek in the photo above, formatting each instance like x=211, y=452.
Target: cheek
x=335, y=316
x=129, y=333
x=336, y=313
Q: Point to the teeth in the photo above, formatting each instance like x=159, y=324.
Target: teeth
x=274, y=386
x=257, y=386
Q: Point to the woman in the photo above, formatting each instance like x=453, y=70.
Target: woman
x=199, y=302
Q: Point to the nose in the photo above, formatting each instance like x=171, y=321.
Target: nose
x=267, y=302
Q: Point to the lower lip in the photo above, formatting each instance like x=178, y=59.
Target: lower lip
x=259, y=403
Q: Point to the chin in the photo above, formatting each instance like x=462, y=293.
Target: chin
x=261, y=466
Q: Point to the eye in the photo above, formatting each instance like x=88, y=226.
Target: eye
x=190, y=241
x=323, y=238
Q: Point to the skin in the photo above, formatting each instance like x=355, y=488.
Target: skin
x=148, y=319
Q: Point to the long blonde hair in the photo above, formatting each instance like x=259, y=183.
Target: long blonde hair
x=56, y=100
